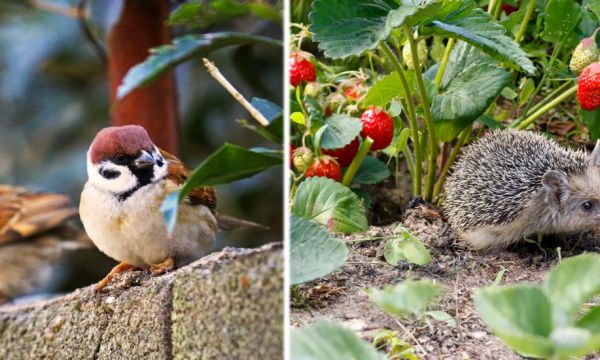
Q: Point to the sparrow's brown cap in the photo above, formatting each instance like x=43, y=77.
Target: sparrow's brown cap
x=128, y=140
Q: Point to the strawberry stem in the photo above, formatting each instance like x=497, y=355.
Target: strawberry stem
x=459, y=143
x=433, y=143
x=412, y=117
x=544, y=109
x=525, y=21
x=442, y=68
x=357, y=161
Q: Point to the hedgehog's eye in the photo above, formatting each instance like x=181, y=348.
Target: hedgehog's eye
x=587, y=205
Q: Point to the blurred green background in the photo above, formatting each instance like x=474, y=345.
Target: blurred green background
x=54, y=99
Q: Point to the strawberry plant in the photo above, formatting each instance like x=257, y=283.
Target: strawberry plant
x=552, y=320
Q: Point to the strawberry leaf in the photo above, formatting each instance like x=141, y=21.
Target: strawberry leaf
x=331, y=204
x=477, y=28
x=371, y=171
x=346, y=28
x=341, y=130
x=314, y=253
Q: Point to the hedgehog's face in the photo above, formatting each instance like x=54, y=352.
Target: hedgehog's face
x=576, y=198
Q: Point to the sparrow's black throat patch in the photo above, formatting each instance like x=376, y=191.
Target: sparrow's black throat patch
x=144, y=177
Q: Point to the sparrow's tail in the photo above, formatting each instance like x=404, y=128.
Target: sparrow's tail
x=229, y=223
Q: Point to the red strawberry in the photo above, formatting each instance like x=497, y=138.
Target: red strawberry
x=301, y=69
x=292, y=148
x=352, y=94
x=344, y=155
x=379, y=126
x=588, y=88
x=327, y=167
x=509, y=9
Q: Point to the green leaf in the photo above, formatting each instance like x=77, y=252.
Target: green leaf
x=165, y=57
x=471, y=82
x=298, y=118
x=314, y=110
x=314, y=253
x=591, y=320
x=326, y=341
x=387, y=88
x=371, y=171
x=408, y=297
x=331, y=204
x=346, y=28
x=570, y=284
x=442, y=316
x=229, y=163
x=406, y=247
x=274, y=114
x=592, y=120
x=560, y=19
x=341, y=130
x=520, y=315
x=480, y=30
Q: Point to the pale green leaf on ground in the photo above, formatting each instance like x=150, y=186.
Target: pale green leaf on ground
x=407, y=298
x=570, y=284
x=327, y=341
x=520, y=315
x=331, y=204
x=406, y=247
x=314, y=252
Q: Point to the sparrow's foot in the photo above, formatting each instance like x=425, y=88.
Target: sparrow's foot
x=163, y=267
x=117, y=269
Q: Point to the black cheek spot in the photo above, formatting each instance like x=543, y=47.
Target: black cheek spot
x=109, y=174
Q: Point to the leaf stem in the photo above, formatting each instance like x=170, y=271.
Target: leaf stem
x=459, y=143
x=433, y=145
x=358, y=159
x=440, y=73
x=525, y=123
x=526, y=19
x=412, y=117
x=551, y=96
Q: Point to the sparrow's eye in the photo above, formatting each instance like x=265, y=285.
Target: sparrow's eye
x=159, y=161
x=587, y=205
x=120, y=159
x=109, y=174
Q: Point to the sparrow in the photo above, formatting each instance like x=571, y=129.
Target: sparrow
x=35, y=235
x=128, y=179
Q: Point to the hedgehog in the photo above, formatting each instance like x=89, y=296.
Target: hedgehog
x=511, y=184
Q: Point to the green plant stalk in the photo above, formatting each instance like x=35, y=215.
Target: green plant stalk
x=544, y=109
x=440, y=73
x=358, y=159
x=459, y=143
x=433, y=144
x=412, y=118
x=491, y=6
x=526, y=19
x=497, y=10
x=550, y=96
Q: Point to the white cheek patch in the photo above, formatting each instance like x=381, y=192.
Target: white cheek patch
x=120, y=184
x=160, y=172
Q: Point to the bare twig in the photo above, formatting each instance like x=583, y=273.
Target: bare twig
x=215, y=73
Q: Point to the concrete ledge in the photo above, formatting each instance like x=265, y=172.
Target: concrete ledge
x=228, y=305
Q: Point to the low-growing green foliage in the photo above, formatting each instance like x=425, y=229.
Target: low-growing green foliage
x=549, y=320
x=405, y=247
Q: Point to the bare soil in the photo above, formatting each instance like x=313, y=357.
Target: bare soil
x=340, y=297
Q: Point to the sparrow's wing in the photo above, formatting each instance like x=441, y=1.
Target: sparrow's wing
x=24, y=213
x=178, y=173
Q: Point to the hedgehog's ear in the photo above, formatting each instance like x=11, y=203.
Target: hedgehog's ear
x=556, y=186
x=595, y=155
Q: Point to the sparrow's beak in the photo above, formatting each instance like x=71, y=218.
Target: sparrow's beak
x=145, y=161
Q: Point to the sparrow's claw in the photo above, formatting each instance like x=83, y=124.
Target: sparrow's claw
x=117, y=269
x=163, y=267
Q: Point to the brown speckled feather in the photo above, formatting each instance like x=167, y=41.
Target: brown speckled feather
x=24, y=213
x=178, y=173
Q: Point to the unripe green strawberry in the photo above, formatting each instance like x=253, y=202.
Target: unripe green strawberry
x=437, y=49
x=584, y=54
x=302, y=159
x=421, y=54
x=588, y=87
